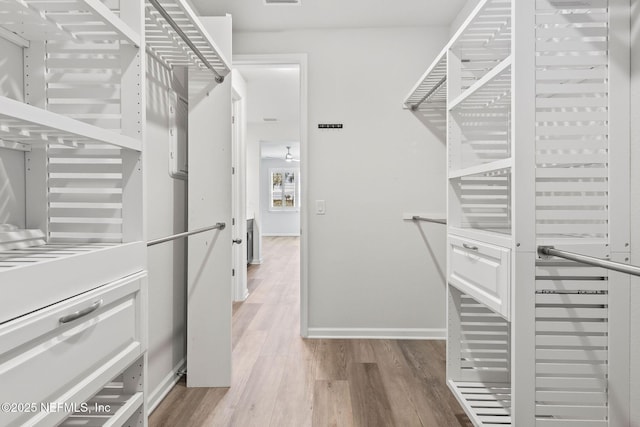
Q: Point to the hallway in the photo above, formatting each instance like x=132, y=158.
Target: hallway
x=279, y=379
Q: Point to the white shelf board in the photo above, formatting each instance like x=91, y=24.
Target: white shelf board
x=14, y=38
x=24, y=124
x=43, y=275
x=435, y=74
x=493, y=237
x=474, y=30
x=498, y=79
x=568, y=240
x=496, y=11
x=166, y=44
x=483, y=169
x=81, y=20
x=121, y=407
x=487, y=404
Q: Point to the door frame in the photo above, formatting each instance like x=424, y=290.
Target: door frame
x=299, y=59
x=239, y=192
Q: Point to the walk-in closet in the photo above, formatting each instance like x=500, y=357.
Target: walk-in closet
x=313, y=213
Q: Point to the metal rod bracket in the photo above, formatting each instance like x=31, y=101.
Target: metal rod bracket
x=434, y=220
x=543, y=252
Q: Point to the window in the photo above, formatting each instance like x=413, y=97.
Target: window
x=284, y=189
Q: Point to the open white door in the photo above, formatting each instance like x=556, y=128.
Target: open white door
x=209, y=267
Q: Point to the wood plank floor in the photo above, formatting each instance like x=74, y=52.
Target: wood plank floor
x=281, y=380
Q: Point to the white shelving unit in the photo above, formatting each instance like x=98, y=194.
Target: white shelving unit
x=22, y=126
x=537, y=136
x=73, y=267
x=428, y=97
x=73, y=252
x=168, y=44
x=81, y=188
x=432, y=86
x=78, y=20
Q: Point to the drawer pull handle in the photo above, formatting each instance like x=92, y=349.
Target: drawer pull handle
x=471, y=248
x=81, y=313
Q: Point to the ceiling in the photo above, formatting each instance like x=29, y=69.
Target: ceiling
x=273, y=92
x=255, y=15
x=279, y=149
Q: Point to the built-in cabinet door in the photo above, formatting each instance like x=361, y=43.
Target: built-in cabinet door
x=209, y=267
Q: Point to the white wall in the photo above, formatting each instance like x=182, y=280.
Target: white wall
x=462, y=15
x=276, y=223
x=275, y=93
x=253, y=190
x=166, y=215
x=370, y=273
x=635, y=210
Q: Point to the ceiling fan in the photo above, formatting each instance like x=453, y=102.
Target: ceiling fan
x=287, y=157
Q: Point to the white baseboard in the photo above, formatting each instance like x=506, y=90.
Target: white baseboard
x=379, y=333
x=280, y=234
x=244, y=297
x=165, y=386
x=256, y=261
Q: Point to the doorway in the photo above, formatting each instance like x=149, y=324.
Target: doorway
x=276, y=150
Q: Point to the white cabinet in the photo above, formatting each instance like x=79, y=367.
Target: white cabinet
x=537, y=118
x=482, y=271
x=63, y=354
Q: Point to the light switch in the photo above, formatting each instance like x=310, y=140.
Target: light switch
x=320, y=207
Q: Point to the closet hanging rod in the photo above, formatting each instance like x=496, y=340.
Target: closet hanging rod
x=421, y=218
x=433, y=90
x=218, y=226
x=549, y=251
x=156, y=4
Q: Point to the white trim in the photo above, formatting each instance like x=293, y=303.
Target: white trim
x=276, y=3
x=301, y=60
x=280, y=234
x=239, y=191
x=379, y=333
x=165, y=386
x=289, y=210
x=256, y=261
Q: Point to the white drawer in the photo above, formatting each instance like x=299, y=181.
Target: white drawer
x=482, y=271
x=45, y=360
x=39, y=284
